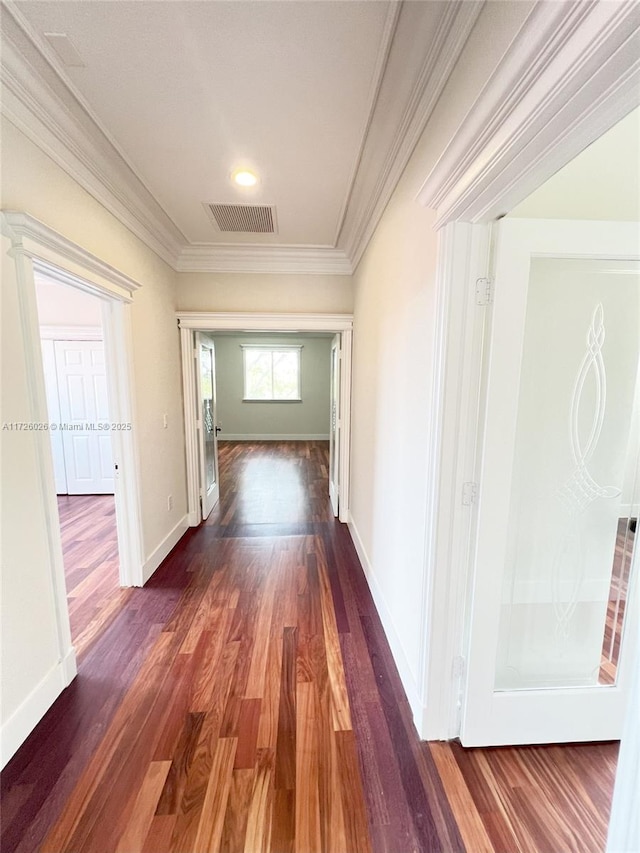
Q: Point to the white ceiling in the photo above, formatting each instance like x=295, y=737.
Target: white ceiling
x=188, y=91
x=163, y=99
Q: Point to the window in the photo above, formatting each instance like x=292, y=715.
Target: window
x=271, y=372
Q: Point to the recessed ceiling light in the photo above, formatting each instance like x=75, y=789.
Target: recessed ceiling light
x=244, y=178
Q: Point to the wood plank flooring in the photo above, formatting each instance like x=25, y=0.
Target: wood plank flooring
x=91, y=564
x=623, y=553
x=246, y=700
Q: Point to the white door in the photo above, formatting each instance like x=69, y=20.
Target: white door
x=334, y=427
x=554, y=612
x=207, y=429
x=84, y=417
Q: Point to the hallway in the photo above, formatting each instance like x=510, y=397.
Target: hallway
x=246, y=699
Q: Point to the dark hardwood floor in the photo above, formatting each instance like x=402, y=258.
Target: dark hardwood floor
x=246, y=700
x=90, y=551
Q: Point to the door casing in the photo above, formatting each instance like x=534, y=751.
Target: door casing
x=191, y=322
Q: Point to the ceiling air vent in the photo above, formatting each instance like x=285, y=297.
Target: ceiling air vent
x=246, y=218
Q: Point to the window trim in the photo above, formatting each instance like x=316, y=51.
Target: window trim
x=271, y=348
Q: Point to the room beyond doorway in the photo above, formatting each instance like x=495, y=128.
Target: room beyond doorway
x=89, y=537
x=272, y=487
x=196, y=325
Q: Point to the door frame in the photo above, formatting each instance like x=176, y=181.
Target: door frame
x=203, y=340
x=190, y=322
x=38, y=249
x=570, y=74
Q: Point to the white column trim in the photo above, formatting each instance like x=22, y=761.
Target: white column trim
x=39, y=414
x=462, y=258
x=344, y=483
x=187, y=346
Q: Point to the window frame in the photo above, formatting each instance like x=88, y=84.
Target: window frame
x=271, y=348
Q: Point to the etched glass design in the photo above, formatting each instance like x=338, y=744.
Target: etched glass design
x=574, y=495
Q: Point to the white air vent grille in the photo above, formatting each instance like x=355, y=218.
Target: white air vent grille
x=247, y=218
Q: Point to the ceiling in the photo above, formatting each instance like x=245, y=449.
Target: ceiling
x=324, y=100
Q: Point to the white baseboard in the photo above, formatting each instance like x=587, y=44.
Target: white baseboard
x=273, y=437
x=27, y=716
x=164, y=548
x=406, y=676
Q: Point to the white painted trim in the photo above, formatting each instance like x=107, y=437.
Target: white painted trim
x=163, y=550
x=382, y=59
x=37, y=399
x=344, y=464
x=280, y=260
x=462, y=258
x=191, y=321
x=43, y=103
x=27, y=716
x=36, y=248
x=411, y=687
x=190, y=404
x=39, y=241
x=624, y=823
x=118, y=348
x=211, y=321
x=570, y=74
x=273, y=436
x=382, y=163
x=70, y=333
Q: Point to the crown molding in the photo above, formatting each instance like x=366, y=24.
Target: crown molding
x=40, y=100
x=38, y=241
x=310, y=260
x=382, y=60
x=383, y=160
x=41, y=103
x=572, y=72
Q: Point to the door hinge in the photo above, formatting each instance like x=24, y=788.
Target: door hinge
x=469, y=492
x=484, y=291
x=195, y=353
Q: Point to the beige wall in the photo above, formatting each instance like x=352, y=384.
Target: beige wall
x=31, y=182
x=394, y=361
x=286, y=294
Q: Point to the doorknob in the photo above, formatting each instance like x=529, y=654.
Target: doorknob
x=218, y=429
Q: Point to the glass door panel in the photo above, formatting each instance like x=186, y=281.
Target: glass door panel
x=570, y=525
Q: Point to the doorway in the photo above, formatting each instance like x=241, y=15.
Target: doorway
x=76, y=384
x=198, y=332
